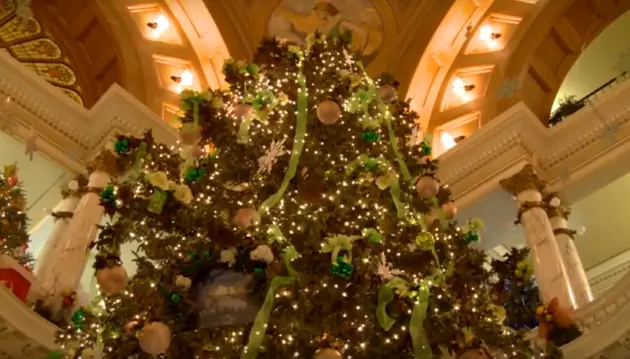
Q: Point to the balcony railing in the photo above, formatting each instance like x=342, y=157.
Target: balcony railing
x=569, y=105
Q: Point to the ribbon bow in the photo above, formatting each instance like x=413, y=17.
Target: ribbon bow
x=336, y=244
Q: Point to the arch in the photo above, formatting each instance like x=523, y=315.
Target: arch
x=87, y=34
x=541, y=42
x=562, y=30
x=30, y=43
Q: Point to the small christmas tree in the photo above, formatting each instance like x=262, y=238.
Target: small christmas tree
x=516, y=289
x=14, y=237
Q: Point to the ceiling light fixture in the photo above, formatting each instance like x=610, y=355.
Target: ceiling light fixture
x=158, y=26
x=487, y=34
x=186, y=79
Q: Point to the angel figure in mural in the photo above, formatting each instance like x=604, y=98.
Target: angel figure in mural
x=292, y=20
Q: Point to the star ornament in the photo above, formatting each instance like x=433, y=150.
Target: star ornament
x=31, y=145
x=508, y=88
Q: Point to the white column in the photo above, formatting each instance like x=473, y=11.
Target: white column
x=66, y=272
x=551, y=275
x=55, y=243
x=570, y=257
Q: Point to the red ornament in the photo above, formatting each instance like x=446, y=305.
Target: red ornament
x=12, y=181
x=17, y=279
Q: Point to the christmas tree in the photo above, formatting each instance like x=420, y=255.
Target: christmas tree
x=13, y=220
x=301, y=217
x=516, y=289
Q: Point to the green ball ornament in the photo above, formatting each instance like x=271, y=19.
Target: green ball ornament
x=425, y=241
x=471, y=237
x=518, y=273
x=176, y=297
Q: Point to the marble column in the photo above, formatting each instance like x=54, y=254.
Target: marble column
x=558, y=217
x=66, y=272
x=55, y=243
x=551, y=274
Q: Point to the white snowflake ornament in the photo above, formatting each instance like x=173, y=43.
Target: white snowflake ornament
x=385, y=270
x=266, y=162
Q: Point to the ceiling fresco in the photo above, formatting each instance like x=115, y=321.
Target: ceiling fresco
x=29, y=43
x=294, y=19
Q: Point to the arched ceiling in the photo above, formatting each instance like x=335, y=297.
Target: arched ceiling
x=429, y=45
x=391, y=34
x=31, y=44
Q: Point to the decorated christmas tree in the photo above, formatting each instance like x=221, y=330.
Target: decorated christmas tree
x=301, y=217
x=516, y=289
x=13, y=220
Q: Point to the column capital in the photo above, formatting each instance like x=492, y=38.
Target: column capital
x=525, y=179
x=105, y=162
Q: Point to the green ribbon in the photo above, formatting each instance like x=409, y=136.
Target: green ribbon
x=419, y=340
x=440, y=212
x=386, y=296
x=298, y=146
x=394, y=191
x=191, y=99
x=243, y=130
x=137, y=162
x=257, y=333
x=382, y=163
x=393, y=140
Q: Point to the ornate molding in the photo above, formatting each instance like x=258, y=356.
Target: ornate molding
x=64, y=124
x=23, y=333
x=567, y=156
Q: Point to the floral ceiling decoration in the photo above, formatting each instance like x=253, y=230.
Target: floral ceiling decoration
x=26, y=41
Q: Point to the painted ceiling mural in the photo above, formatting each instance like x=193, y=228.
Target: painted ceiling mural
x=293, y=19
x=33, y=46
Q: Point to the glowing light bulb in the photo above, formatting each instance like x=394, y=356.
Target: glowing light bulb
x=487, y=34
x=447, y=140
x=159, y=26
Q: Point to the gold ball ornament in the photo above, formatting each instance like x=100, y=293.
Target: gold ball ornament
x=246, y=217
x=328, y=112
x=155, y=338
x=242, y=110
x=111, y=279
x=387, y=93
x=450, y=209
x=427, y=187
x=327, y=353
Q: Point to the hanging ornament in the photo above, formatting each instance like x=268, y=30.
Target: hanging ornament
x=108, y=194
x=242, y=110
x=387, y=93
x=155, y=338
x=370, y=136
x=246, y=217
x=328, y=112
x=111, y=279
x=450, y=209
x=327, y=353
x=427, y=187
x=342, y=268
x=12, y=181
